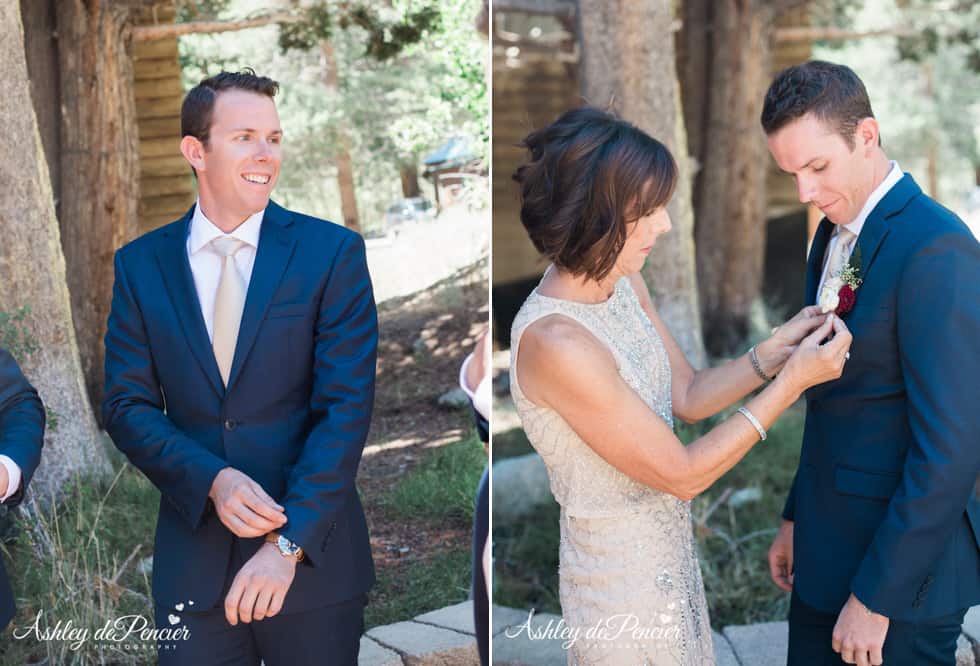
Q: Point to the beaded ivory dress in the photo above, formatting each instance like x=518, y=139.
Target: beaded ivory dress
x=630, y=583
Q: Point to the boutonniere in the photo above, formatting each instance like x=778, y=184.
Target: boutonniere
x=839, y=293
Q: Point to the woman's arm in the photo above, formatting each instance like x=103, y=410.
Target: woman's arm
x=698, y=394
x=563, y=367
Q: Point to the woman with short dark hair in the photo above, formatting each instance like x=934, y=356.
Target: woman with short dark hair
x=597, y=379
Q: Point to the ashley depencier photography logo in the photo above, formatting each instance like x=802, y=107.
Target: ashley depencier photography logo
x=613, y=630
x=125, y=632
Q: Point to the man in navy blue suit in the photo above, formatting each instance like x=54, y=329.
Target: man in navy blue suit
x=21, y=439
x=879, y=539
x=240, y=365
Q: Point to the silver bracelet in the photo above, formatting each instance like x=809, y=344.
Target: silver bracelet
x=754, y=421
x=758, y=366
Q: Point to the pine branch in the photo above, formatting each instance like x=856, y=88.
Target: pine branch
x=146, y=33
x=836, y=34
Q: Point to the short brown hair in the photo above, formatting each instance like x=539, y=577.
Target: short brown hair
x=833, y=93
x=589, y=175
x=198, y=108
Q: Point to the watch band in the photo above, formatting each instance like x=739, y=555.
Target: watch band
x=274, y=538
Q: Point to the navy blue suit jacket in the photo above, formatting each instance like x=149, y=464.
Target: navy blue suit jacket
x=294, y=416
x=21, y=439
x=883, y=501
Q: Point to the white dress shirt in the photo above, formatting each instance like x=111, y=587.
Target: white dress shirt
x=206, y=264
x=13, y=476
x=894, y=175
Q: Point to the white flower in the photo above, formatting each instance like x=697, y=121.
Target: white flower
x=829, y=298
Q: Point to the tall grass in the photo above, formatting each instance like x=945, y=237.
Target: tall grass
x=77, y=562
x=444, y=485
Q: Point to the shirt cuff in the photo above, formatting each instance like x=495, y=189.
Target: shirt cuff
x=462, y=377
x=13, y=476
x=481, y=397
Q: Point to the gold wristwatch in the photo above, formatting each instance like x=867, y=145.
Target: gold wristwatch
x=286, y=547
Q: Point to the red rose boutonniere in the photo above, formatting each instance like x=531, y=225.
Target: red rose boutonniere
x=839, y=293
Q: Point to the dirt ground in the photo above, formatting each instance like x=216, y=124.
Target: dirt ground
x=424, y=338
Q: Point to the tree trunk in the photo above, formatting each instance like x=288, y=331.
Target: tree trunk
x=628, y=59
x=729, y=191
x=410, y=180
x=41, y=51
x=99, y=164
x=345, y=166
x=32, y=273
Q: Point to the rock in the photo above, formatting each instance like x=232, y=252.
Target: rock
x=519, y=486
x=458, y=617
x=454, y=399
x=504, y=617
x=514, y=647
x=745, y=496
x=372, y=654
x=145, y=566
x=724, y=654
x=971, y=624
x=423, y=644
x=763, y=644
x=964, y=652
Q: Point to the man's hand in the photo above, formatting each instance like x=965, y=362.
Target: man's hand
x=859, y=634
x=242, y=505
x=260, y=586
x=4, y=480
x=781, y=557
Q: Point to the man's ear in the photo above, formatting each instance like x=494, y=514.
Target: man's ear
x=867, y=135
x=193, y=151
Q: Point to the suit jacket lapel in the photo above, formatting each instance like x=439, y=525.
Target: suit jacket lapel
x=276, y=245
x=176, y=270
x=876, y=226
x=814, y=263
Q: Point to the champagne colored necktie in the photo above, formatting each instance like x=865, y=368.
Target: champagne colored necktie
x=228, y=304
x=839, y=257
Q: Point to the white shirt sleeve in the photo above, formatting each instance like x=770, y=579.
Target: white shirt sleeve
x=13, y=474
x=462, y=376
x=481, y=396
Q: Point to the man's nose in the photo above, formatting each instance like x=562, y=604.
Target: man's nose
x=804, y=189
x=263, y=152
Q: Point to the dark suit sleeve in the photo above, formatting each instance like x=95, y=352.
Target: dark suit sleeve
x=790, y=507
x=133, y=412
x=482, y=425
x=341, y=401
x=21, y=422
x=938, y=329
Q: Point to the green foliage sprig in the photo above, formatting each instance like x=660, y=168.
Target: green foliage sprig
x=386, y=39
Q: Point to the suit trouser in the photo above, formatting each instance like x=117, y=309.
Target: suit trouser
x=325, y=636
x=927, y=643
x=481, y=604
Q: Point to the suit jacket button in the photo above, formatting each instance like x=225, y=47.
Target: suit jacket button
x=231, y=424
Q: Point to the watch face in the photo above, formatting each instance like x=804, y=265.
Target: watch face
x=287, y=546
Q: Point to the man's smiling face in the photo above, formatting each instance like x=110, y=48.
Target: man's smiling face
x=240, y=164
x=834, y=177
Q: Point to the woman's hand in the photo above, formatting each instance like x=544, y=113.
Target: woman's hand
x=776, y=350
x=814, y=363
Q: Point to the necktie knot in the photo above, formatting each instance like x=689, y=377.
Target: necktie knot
x=226, y=246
